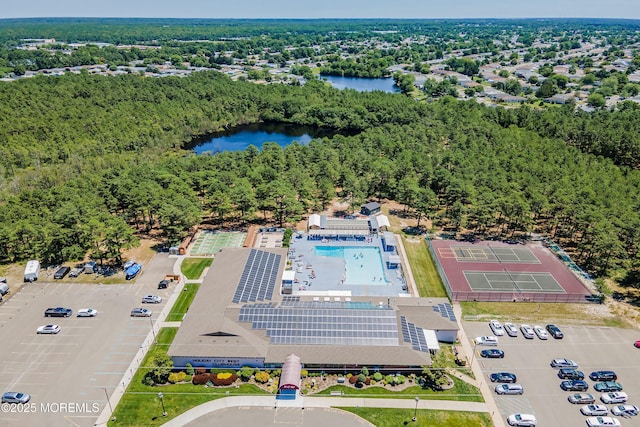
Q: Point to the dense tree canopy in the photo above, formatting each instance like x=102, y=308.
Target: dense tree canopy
x=89, y=162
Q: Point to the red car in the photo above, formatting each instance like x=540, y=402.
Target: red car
x=636, y=344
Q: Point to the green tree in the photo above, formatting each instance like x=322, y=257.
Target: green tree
x=596, y=100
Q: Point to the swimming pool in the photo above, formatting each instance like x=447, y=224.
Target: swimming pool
x=363, y=264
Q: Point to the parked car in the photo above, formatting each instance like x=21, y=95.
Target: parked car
x=151, y=299
x=486, y=340
x=540, y=332
x=603, y=376
x=577, y=398
x=574, y=385
x=62, y=271
x=496, y=327
x=132, y=271
x=15, y=397
x=593, y=410
x=509, y=389
x=48, y=329
x=570, y=374
x=625, y=410
x=503, y=377
x=555, y=332
x=614, y=397
x=511, y=329
x=75, y=272
x=163, y=284
x=636, y=344
x=527, y=332
x=141, y=312
x=522, y=420
x=607, y=386
x=492, y=353
x=87, y=312
x=602, y=422
x=563, y=363
x=58, y=312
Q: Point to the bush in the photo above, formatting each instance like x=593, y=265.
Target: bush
x=177, y=377
x=147, y=380
x=353, y=379
x=401, y=379
x=200, y=371
x=304, y=373
x=365, y=371
x=245, y=373
x=262, y=377
x=189, y=369
x=368, y=381
x=359, y=385
x=188, y=378
x=201, y=379
x=223, y=379
x=362, y=378
x=377, y=376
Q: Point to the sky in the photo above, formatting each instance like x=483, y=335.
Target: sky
x=323, y=8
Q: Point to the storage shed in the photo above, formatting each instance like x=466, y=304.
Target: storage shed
x=370, y=208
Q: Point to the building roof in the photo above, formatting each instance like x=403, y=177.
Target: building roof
x=383, y=221
x=314, y=220
x=372, y=206
x=273, y=328
x=290, y=377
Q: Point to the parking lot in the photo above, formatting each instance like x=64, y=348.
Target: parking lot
x=69, y=374
x=593, y=348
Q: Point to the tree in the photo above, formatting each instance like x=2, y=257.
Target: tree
x=547, y=89
x=161, y=366
x=596, y=100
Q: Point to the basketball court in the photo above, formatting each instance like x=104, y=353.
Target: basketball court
x=496, y=271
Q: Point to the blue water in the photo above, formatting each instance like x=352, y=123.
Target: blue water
x=362, y=84
x=363, y=265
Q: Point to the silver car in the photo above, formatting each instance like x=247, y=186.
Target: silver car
x=15, y=397
x=141, y=312
x=151, y=299
x=527, y=332
x=509, y=389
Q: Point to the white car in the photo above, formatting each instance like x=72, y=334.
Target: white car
x=614, y=397
x=527, y=420
x=151, y=299
x=496, y=327
x=564, y=363
x=625, y=410
x=593, y=410
x=602, y=422
x=540, y=332
x=48, y=329
x=87, y=312
x=511, y=329
x=527, y=332
x=486, y=340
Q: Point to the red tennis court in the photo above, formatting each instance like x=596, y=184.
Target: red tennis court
x=496, y=271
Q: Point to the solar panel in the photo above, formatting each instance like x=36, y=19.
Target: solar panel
x=258, y=278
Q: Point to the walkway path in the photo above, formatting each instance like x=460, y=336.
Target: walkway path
x=406, y=267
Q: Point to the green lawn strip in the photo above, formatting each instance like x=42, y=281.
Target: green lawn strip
x=462, y=391
x=425, y=417
x=192, y=268
x=424, y=270
x=183, y=302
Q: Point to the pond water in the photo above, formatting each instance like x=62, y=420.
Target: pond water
x=239, y=138
x=362, y=84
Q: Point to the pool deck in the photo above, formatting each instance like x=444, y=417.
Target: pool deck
x=324, y=275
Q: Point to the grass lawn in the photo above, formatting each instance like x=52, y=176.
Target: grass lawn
x=462, y=391
x=425, y=417
x=533, y=312
x=183, y=302
x=424, y=270
x=192, y=268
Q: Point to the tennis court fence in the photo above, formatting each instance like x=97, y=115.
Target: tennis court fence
x=518, y=297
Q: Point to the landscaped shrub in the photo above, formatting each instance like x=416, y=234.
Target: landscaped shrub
x=304, y=373
x=176, y=377
x=223, y=379
x=359, y=384
x=377, y=376
x=189, y=369
x=200, y=379
x=353, y=379
x=365, y=371
x=391, y=379
x=367, y=381
x=262, y=377
x=187, y=378
x=245, y=373
x=401, y=379
x=362, y=378
x=201, y=371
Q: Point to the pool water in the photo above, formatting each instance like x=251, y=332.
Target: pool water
x=363, y=265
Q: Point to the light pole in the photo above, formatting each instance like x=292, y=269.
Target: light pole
x=113, y=418
x=415, y=413
x=160, y=396
x=474, y=353
x=153, y=330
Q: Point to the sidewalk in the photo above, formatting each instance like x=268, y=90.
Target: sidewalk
x=487, y=394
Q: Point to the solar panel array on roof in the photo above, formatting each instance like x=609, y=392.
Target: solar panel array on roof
x=414, y=335
x=258, y=278
x=324, y=323
x=445, y=310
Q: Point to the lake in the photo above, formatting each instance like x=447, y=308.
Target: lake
x=239, y=138
x=362, y=84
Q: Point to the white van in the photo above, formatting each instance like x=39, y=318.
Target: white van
x=31, y=271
